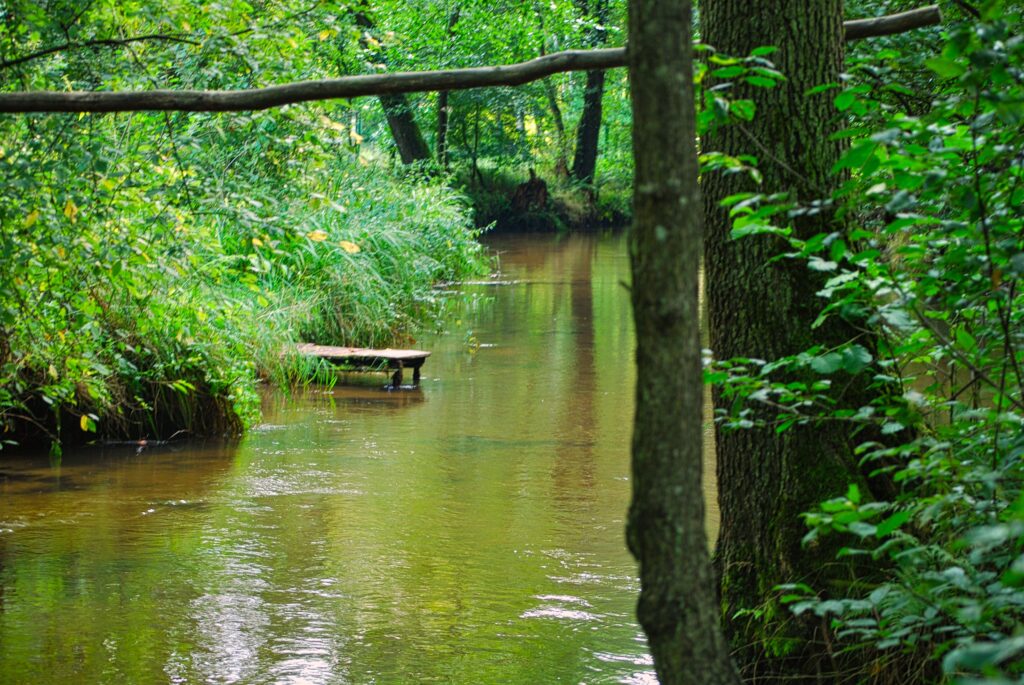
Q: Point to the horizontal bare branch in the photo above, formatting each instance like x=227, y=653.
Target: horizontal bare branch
x=304, y=91
x=892, y=23
x=378, y=84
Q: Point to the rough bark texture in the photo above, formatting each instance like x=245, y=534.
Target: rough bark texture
x=588, y=133
x=677, y=607
x=765, y=311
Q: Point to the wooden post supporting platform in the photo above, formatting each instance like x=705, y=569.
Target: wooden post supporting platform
x=371, y=360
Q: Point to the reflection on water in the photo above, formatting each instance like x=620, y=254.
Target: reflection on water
x=469, y=531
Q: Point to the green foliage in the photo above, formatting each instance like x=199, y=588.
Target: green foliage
x=929, y=265
x=156, y=266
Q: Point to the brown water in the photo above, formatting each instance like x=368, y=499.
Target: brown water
x=469, y=531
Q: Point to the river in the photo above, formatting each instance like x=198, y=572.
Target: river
x=468, y=531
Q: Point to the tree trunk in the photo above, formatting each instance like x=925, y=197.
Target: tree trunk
x=588, y=133
x=442, y=105
x=551, y=93
x=408, y=138
x=765, y=311
x=677, y=608
x=561, y=163
x=442, y=129
x=584, y=163
x=412, y=147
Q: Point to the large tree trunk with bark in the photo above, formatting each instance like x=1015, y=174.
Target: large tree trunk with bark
x=677, y=608
x=765, y=310
x=588, y=133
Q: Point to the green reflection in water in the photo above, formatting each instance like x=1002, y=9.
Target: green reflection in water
x=469, y=531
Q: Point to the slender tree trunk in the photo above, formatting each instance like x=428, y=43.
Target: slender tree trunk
x=561, y=163
x=442, y=129
x=588, y=133
x=412, y=147
x=765, y=310
x=678, y=608
x=551, y=94
x=442, y=105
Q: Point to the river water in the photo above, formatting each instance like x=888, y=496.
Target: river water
x=468, y=531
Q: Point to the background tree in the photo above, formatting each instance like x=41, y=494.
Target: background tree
x=589, y=130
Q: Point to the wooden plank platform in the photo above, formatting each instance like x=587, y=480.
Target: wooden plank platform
x=364, y=358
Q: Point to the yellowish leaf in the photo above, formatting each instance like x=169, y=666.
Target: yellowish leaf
x=334, y=125
x=87, y=424
x=31, y=218
x=71, y=210
x=349, y=246
x=325, y=34
x=256, y=242
x=317, y=236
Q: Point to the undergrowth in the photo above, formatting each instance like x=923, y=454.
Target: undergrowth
x=152, y=279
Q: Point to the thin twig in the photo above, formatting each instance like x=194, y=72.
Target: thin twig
x=99, y=42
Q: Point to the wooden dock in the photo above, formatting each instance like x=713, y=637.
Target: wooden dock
x=373, y=360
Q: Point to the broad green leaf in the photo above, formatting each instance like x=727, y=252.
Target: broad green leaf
x=856, y=358
x=946, y=68
x=827, y=363
x=845, y=100
x=892, y=523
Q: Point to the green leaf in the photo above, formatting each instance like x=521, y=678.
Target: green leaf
x=761, y=81
x=853, y=493
x=892, y=523
x=743, y=109
x=946, y=68
x=856, y=358
x=845, y=100
x=729, y=72
x=856, y=157
x=827, y=363
x=965, y=340
x=892, y=427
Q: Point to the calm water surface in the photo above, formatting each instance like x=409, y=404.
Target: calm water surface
x=469, y=531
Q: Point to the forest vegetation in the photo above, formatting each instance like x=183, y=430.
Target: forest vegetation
x=862, y=240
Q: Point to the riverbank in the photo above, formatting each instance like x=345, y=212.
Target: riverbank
x=127, y=328
x=517, y=199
